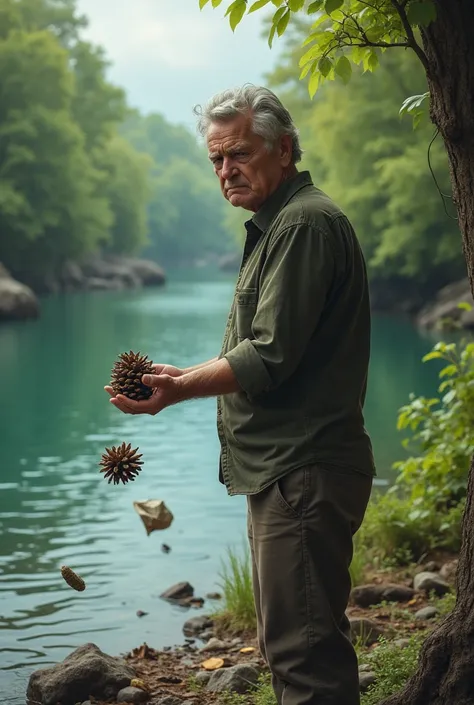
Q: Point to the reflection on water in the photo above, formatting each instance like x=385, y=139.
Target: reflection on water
x=55, y=508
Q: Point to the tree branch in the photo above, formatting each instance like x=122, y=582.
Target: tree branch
x=400, y=8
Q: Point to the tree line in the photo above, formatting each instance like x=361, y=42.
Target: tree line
x=80, y=171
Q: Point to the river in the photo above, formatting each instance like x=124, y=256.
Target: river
x=56, y=509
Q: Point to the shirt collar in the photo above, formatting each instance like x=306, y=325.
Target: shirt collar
x=279, y=198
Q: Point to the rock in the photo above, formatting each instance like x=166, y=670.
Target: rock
x=84, y=673
x=149, y=273
x=17, y=301
x=202, y=677
x=448, y=570
x=364, y=630
x=367, y=595
x=140, y=613
x=364, y=667
x=426, y=613
x=206, y=635
x=133, y=696
x=196, y=625
x=401, y=643
x=214, y=596
x=431, y=582
x=178, y=592
x=97, y=284
x=71, y=276
x=446, y=307
x=236, y=679
x=366, y=679
x=112, y=271
x=431, y=567
x=214, y=645
x=170, y=700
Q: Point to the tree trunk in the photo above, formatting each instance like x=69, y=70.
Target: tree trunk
x=446, y=670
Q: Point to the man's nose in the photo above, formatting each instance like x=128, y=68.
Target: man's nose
x=228, y=168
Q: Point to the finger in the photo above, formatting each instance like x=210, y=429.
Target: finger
x=109, y=390
x=133, y=407
x=152, y=380
x=158, y=369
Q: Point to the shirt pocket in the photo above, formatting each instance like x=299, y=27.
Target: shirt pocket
x=245, y=309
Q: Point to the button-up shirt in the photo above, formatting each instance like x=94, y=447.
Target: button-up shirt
x=298, y=341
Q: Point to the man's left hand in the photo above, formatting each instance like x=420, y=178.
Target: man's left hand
x=165, y=393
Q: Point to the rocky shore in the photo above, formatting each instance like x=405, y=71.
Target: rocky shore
x=212, y=663
x=18, y=300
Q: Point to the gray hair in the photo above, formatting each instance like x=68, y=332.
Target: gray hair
x=270, y=119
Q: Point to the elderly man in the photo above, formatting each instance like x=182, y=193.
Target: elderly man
x=291, y=381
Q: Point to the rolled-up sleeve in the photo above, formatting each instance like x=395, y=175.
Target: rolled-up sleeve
x=294, y=283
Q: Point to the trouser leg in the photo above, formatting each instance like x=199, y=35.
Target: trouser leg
x=301, y=537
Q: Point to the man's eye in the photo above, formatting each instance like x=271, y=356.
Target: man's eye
x=241, y=154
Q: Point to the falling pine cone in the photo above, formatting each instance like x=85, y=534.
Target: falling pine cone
x=121, y=464
x=127, y=375
x=72, y=579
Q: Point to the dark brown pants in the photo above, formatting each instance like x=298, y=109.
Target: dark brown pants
x=300, y=532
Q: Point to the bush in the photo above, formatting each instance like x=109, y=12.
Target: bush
x=392, y=667
x=424, y=508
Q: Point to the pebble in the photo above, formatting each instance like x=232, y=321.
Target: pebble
x=202, y=677
x=214, y=596
x=366, y=679
x=132, y=696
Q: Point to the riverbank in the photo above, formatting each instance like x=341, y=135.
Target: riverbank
x=19, y=299
x=389, y=615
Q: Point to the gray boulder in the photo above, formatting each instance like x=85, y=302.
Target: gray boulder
x=180, y=591
x=17, y=301
x=366, y=679
x=428, y=612
x=448, y=570
x=133, y=696
x=148, y=272
x=368, y=595
x=364, y=630
x=196, y=625
x=236, y=679
x=84, y=673
x=431, y=582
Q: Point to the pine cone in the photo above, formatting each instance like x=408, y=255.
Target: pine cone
x=127, y=373
x=121, y=464
x=72, y=579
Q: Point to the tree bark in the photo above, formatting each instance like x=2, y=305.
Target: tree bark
x=445, y=675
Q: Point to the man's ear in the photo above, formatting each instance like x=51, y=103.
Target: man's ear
x=286, y=150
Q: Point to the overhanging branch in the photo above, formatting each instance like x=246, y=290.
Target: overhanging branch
x=399, y=6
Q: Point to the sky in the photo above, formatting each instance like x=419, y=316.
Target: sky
x=170, y=56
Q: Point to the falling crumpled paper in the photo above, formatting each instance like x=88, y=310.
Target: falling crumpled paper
x=154, y=514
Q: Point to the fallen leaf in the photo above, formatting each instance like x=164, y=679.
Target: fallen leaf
x=154, y=514
x=138, y=683
x=413, y=602
x=212, y=664
x=247, y=650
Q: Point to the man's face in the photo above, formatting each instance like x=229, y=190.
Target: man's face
x=247, y=171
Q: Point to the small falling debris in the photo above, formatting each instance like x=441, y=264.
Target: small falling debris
x=165, y=548
x=72, y=579
x=154, y=514
x=212, y=664
x=141, y=614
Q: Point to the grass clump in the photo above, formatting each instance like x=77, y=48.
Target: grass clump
x=238, y=612
x=392, y=667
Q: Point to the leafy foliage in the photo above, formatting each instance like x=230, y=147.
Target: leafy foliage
x=392, y=667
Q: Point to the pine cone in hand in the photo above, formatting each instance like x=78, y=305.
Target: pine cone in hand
x=127, y=373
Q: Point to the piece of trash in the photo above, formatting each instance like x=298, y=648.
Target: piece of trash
x=72, y=579
x=165, y=548
x=247, y=650
x=212, y=664
x=154, y=514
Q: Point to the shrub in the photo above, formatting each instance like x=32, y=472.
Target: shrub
x=392, y=667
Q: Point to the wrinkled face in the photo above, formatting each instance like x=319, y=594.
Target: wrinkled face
x=248, y=172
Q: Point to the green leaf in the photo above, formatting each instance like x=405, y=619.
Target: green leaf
x=283, y=23
x=324, y=65
x=332, y=5
x=257, y=5
x=215, y=3
x=295, y=5
x=314, y=7
x=202, y=3
x=277, y=3
x=344, y=69
x=271, y=35
x=433, y=355
x=313, y=84
x=310, y=55
x=421, y=13
x=236, y=11
x=465, y=306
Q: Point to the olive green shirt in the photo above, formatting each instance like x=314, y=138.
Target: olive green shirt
x=298, y=342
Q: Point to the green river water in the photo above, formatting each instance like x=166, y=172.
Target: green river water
x=55, y=508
